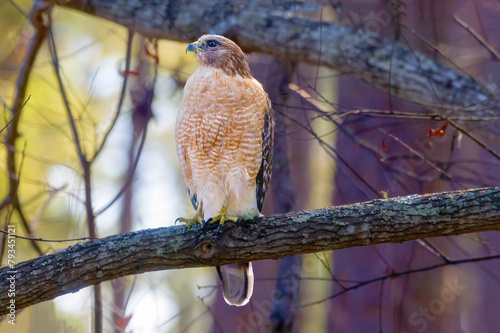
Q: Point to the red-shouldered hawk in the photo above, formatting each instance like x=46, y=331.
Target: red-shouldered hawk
x=224, y=137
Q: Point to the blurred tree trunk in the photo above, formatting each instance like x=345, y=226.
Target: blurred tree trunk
x=142, y=94
x=285, y=296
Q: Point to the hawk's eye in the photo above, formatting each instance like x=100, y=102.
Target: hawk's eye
x=212, y=43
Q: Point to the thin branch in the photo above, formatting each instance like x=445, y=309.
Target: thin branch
x=38, y=15
x=19, y=8
x=140, y=117
x=379, y=221
x=417, y=153
x=48, y=240
x=15, y=115
x=18, y=207
x=403, y=273
x=332, y=151
x=86, y=167
x=473, y=138
x=130, y=175
x=126, y=73
x=477, y=36
x=55, y=63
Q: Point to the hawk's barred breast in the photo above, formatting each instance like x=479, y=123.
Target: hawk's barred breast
x=219, y=135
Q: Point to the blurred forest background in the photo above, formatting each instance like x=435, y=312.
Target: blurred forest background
x=339, y=140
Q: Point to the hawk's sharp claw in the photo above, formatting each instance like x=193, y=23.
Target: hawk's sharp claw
x=222, y=217
x=197, y=218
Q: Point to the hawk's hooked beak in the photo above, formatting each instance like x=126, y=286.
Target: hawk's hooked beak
x=192, y=47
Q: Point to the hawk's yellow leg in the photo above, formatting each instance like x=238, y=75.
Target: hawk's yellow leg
x=197, y=218
x=222, y=217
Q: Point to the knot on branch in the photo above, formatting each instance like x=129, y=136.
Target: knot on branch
x=39, y=15
x=207, y=249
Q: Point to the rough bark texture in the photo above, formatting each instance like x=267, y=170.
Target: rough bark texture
x=380, y=221
x=278, y=28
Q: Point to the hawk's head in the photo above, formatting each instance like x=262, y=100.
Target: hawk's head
x=220, y=52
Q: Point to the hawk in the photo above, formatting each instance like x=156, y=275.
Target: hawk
x=224, y=138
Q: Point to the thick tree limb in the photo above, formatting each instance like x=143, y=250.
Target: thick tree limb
x=379, y=221
x=279, y=29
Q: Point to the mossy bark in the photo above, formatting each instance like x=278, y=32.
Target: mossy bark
x=379, y=221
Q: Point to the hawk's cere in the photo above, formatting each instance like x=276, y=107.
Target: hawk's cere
x=224, y=137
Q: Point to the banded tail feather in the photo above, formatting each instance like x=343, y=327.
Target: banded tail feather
x=237, y=283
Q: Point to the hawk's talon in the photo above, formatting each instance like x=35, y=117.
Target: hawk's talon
x=190, y=222
x=197, y=218
x=222, y=218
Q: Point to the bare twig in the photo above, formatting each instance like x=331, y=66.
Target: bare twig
x=332, y=151
x=473, y=138
x=15, y=116
x=130, y=176
x=86, y=167
x=71, y=119
x=403, y=273
x=19, y=8
x=49, y=240
x=19, y=209
x=417, y=153
x=126, y=73
x=38, y=16
x=477, y=36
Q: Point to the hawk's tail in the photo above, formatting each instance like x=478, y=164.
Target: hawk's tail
x=237, y=283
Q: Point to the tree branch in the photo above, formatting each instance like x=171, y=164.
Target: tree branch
x=280, y=30
x=38, y=18
x=379, y=221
